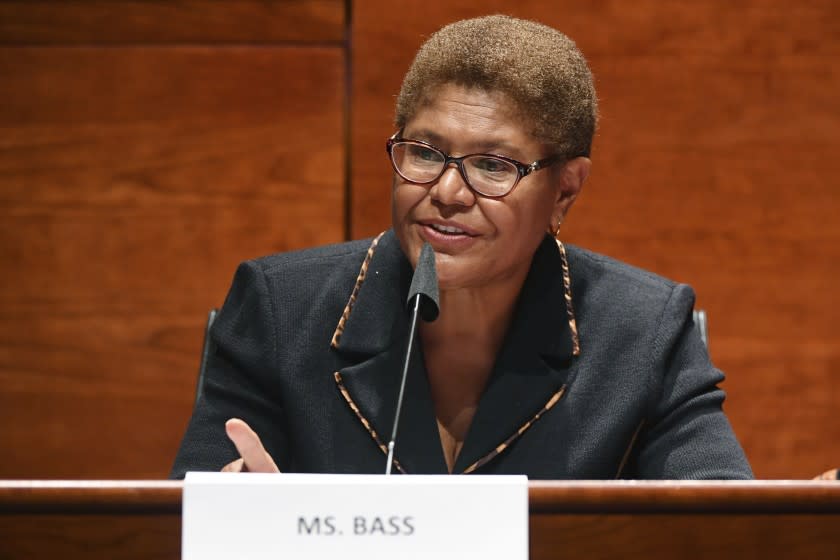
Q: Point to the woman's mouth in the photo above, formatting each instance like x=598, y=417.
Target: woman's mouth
x=447, y=238
x=448, y=230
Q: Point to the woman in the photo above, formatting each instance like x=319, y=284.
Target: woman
x=545, y=360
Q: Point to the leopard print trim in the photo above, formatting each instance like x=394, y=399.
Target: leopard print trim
x=567, y=293
x=505, y=444
x=339, y=330
x=627, y=451
x=364, y=421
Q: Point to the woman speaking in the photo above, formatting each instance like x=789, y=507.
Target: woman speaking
x=546, y=360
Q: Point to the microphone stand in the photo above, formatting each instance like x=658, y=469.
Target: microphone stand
x=415, y=315
x=424, y=284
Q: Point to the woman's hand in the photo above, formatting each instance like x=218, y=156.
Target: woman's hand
x=252, y=455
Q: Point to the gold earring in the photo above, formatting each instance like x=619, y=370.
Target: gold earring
x=555, y=231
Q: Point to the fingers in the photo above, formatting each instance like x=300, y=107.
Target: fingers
x=234, y=466
x=253, y=455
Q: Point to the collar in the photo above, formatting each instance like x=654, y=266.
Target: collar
x=529, y=376
x=375, y=314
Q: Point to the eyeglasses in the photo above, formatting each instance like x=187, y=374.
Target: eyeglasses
x=487, y=174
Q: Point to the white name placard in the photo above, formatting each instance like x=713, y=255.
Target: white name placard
x=249, y=516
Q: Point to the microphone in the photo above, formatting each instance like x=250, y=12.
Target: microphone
x=423, y=301
x=424, y=291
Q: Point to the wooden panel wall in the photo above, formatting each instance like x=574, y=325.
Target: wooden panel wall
x=715, y=164
x=145, y=149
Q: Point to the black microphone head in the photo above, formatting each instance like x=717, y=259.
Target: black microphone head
x=425, y=285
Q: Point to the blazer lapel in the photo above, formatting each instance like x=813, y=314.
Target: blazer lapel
x=373, y=334
x=532, y=370
x=529, y=377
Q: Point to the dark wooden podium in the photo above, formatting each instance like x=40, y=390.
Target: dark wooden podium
x=779, y=519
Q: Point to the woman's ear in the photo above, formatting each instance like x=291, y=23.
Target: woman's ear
x=569, y=183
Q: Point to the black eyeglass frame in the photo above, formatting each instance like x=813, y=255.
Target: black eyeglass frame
x=522, y=169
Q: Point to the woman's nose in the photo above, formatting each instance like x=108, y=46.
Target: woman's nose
x=452, y=189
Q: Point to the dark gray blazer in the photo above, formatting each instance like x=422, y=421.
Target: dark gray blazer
x=309, y=348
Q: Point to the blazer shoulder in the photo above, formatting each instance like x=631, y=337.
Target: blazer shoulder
x=338, y=259
x=606, y=288
x=591, y=265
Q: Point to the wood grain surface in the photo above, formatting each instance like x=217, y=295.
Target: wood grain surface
x=684, y=536
x=94, y=536
x=86, y=22
x=714, y=164
x=148, y=147
x=545, y=497
x=132, y=182
x=713, y=537
x=108, y=519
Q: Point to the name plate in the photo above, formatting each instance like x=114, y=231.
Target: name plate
x=245, y=516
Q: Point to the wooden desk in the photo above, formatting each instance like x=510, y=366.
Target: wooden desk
x=780, y=519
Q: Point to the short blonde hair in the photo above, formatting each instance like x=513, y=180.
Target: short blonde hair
x=540, y=69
